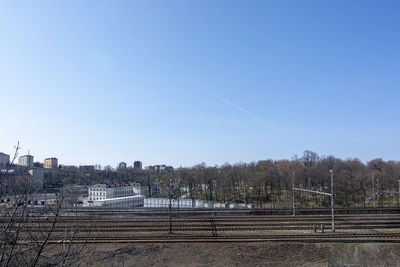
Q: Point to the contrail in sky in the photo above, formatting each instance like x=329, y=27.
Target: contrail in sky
x=239, y=108
x=244, y=111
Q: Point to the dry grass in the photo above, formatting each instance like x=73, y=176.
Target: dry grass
x=244, y=254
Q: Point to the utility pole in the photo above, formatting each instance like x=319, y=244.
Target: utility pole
x=373, y=189
x=293, y=199
x=170, y=207
x=45, y=195
x=170, y=219
x=398, y=199
x=332, y=202
x=380, y=202
x=320, y=196
x=332, y=195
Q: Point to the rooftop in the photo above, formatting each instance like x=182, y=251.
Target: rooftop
x=108, y=185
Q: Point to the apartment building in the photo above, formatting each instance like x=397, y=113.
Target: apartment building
x=50, y=163
x=137, y=165
x=4, y=159
x=26, y=160
x=122, y=165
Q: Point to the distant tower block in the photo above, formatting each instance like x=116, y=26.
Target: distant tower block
x=26, y=161
x=137, y=165
x=122, y=165
x=50, y=163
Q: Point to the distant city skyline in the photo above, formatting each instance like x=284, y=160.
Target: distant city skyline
x=116, y=164
x=185, y=82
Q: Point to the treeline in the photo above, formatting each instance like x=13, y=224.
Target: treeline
x=266, y=183
x=269, y=183
x=56, y=178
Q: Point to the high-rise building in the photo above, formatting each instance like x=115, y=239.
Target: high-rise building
x=50, y=163
x=4, y=159
x=26, y=161
x=137, y=165
x=122, y=165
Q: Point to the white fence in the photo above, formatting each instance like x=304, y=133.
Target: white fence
x=164, y=202
x=120, y=202
x=188, y=203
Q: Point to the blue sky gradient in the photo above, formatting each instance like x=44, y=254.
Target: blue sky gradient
x=185, y=82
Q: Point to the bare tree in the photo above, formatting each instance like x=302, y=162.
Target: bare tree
x=26, y=232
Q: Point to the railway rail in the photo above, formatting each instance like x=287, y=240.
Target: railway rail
x=381, y=238
x=213, y=211
x=108, y=227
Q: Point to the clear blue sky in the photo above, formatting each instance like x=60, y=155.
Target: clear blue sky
x=185, y=82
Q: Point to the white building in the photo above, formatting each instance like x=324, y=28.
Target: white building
x=136, y=189
x=112, y=190
x=26, y=161
x=4, y=159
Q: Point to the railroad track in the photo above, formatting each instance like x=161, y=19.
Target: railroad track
x=205, y=228
x=116, y=228
x=253, y=218
x=104, y=211
x=354, y=238
x=318, y=235
x=387, y=222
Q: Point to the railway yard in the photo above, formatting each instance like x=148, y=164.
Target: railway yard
x=258, y=237
x=127, y=226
